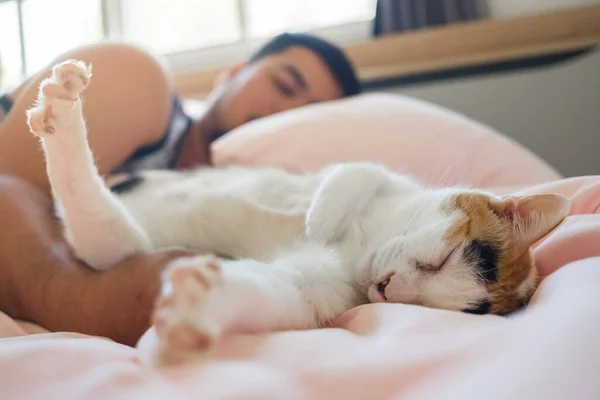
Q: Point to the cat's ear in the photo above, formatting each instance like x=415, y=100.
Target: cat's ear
x=345, y=193
x=532, y=217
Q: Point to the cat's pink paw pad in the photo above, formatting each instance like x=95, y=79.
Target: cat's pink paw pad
x=73, y=76
x=57, y=95
x=178, y=320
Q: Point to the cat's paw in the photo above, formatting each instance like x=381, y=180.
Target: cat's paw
x=183, y=331
x=57, y=96
x=344, y=195
x=73, y=76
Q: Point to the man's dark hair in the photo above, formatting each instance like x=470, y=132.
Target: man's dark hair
x=335, y=59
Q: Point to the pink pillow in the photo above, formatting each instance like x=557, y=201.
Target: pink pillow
x=435, y=145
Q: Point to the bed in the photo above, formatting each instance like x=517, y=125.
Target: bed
x=382, y=351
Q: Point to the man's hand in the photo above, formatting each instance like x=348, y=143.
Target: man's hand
x=41, y=281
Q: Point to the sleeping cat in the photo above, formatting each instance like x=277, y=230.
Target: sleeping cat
x=294, y=251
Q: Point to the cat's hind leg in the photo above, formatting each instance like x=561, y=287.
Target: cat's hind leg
x=204, y=298
x=97, y=225
x=182, y=333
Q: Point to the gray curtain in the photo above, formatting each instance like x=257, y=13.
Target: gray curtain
x=404, y=15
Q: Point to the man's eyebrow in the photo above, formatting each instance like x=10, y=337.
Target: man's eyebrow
x=293, y=71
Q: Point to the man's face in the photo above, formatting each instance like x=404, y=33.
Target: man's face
x=275, y=83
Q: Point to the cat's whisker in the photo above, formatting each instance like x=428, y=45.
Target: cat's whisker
x=412, y=218
x=444, y=176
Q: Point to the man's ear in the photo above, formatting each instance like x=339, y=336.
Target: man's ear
x=229, y=73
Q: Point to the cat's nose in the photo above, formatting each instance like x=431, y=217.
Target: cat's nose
x=381, y=287
x=401, y=289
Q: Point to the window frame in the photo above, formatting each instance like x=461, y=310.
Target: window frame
x=226, y=54
x=19, y=4
x=204, y=57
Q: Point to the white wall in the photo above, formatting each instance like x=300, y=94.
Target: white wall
x=513, y=8
x=554, y=111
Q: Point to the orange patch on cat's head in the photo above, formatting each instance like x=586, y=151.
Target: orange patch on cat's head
x=500, y=233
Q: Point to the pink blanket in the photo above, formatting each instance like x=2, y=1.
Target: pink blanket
x=550, y=351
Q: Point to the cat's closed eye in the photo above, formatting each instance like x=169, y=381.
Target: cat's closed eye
x=436, y=266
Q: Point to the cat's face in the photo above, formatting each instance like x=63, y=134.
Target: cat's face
x=463, y=250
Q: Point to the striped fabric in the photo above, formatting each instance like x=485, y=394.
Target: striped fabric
x=5, y=106
x=404, y=15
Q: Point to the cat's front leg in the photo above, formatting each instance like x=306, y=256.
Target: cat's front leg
x=345, y=193
x=204, y=298
x=97, y=226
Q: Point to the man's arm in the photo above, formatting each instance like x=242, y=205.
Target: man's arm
x=43, y=283
x=40, y=281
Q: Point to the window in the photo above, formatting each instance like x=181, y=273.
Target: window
x=182, y=25
x=10, y=49
x=268, y=17
x=188, y=33
x=33, y=32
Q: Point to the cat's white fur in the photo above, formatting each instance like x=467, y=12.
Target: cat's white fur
x=297, y=249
